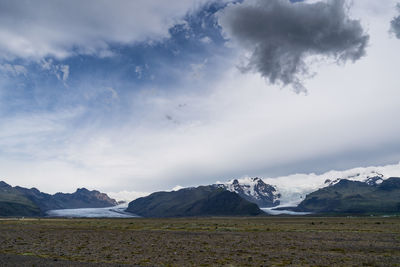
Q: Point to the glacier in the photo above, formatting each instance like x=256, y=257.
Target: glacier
x=109, y=212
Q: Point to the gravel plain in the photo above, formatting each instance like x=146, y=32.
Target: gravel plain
x=263, y=241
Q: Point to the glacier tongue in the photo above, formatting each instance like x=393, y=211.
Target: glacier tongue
x=110, y=212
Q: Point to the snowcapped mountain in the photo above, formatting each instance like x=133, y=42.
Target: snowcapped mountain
x=294, y=188
x=371, y=178
x=253, y=190
x=290, y=190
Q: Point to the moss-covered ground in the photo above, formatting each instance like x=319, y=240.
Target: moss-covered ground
x=259, y=241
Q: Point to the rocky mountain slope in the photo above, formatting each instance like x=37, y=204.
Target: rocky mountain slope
x=15, y=203
x=355, y=197
x=20, y=201
x=199, y=201
x=253, y=190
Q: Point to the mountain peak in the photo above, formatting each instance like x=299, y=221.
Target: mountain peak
x=254, y=190
x=82, y=190
x=393, y=183
x=371, y=178
x=4, y=185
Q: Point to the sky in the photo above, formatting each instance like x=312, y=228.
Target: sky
x=140, y=96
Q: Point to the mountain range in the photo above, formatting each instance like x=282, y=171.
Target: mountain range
x=357, y=191
x=20, y=201
x=355, y=194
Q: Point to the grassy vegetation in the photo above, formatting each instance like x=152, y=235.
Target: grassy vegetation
x=276, y=241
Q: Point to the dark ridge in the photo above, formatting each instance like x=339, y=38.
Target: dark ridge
x=353, y=197
x=200, y=201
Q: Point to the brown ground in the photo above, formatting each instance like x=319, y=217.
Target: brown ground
x=263, y=241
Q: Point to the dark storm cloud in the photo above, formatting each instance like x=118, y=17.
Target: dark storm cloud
x=395, y=23
x=280, y=35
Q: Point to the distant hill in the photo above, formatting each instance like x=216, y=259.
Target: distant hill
x=199, y=201
x=254, y=190
x=20, y=201
x=355, y=197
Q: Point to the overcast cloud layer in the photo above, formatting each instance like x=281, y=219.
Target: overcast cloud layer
x=280, y=36
x=137, y=96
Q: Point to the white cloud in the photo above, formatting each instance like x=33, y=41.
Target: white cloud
x=46, y=64
x=13, y=69
x=65, y=72
x=126, y=195
x=61, y=71
x=206, y=40
x=35, y=134
x=37, y=29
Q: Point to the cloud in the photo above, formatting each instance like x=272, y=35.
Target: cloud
x=65, y=71
x=224, y=131
x=206, y=40
x=395, y=23
x=127, y=195
x=13, y=69
x=280, y=36
x=38, y=29
x=229, y=125
x=61, y=71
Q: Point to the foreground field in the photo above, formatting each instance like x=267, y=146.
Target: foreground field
x=201, y=241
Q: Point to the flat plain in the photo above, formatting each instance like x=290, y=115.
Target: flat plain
x=237, y=241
